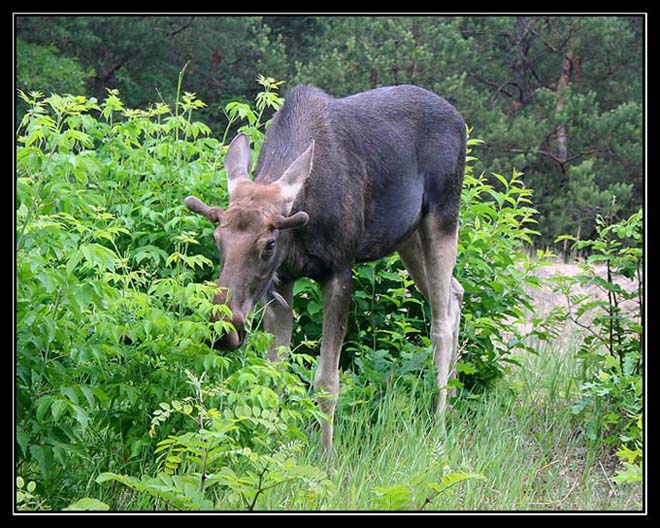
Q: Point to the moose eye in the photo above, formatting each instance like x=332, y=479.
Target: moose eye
x=268, y=249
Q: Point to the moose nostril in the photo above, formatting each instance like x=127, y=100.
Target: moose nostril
x=241, y=336
x=231, y=340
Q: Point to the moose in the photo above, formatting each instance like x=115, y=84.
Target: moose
x=340, y=181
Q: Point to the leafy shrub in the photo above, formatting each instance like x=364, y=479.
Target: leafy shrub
x=26, y=496
x=112, y=306
x=241, y=439
x=629, y=456
x=611, y=396
x=43, y=68
x=419, y=490
x=494, y=267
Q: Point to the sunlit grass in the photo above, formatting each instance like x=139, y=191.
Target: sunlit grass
x=521, y=436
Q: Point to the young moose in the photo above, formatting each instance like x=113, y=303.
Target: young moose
x=341, y=181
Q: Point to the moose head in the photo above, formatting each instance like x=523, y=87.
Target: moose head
x=248, y=232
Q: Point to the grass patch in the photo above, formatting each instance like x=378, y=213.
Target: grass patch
x=521, y=436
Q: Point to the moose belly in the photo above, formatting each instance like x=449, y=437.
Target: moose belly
x=391, y=215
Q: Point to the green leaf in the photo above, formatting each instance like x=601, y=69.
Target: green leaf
x=501, y=179
x=632, y=473
x=81, y=416
x=88, y=504
x=72, y=262
x=466, y=368
x=458, y=476
x=104, y=477
x=70, y=393
x=397, y=497
x=629, y=454
x=58, y=408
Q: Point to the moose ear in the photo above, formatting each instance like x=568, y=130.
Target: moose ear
x=298, y=219
x=294, y=177
x=214, y=214
x=238, y=161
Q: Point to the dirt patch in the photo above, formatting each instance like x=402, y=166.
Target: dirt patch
x=546, y=299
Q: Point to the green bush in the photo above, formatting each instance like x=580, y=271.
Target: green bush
x=43, y=68
x=494, y=267
x=112, y=304
x=241, y=438
x=611, y=396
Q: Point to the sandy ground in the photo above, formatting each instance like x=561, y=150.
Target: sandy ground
x=546, y=299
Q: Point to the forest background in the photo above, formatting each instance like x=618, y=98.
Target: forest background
x=560, y=98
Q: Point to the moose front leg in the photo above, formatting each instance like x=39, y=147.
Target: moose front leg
x=278, y=318
x=336, y=302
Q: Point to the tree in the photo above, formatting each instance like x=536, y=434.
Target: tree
x=559, y=98
x=142, y=55
x=42, y=68
x=578, y=110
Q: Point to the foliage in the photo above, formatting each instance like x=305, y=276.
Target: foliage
x=112, y=307
x=242, y=439
x=617, y=319
x=494, y=268
x=141, y=55
x=42, y=68
x=632, y=471
x=87, y=504
x=402, y=496
x=26, y=496
x=611, y=398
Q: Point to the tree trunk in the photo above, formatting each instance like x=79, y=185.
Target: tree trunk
x=373, y=78
x=562, y=85
x=522, y=40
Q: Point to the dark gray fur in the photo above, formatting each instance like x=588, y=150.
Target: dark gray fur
x=383, y=159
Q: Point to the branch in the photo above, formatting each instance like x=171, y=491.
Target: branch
x=105, y=75
x=180, y=29
x=430, y=498
x=556, y=159
x=260, y=490
x=498, y=87
x=537, y=34
x=200, y=399
x=546, y=153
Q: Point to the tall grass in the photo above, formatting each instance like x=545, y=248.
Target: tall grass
x=521, y=436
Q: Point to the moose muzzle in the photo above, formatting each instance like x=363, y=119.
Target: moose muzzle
x=229, y=340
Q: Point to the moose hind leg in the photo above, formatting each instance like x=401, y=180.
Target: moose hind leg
x=456, y=303
x=412, y=255
x=439, y=248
